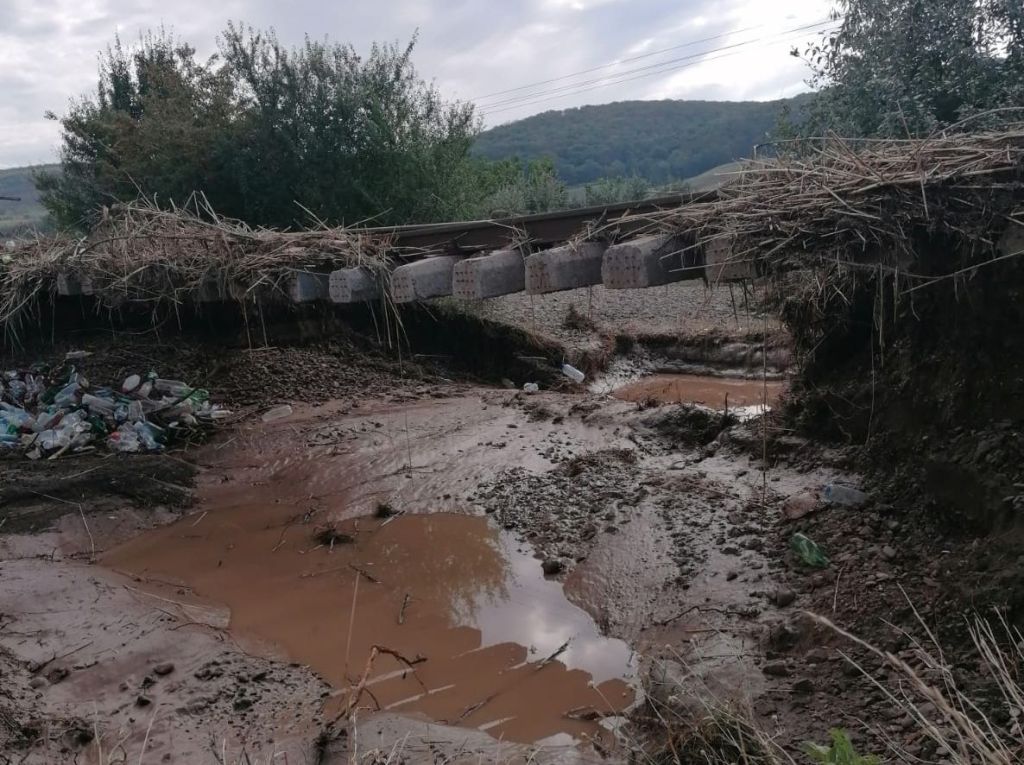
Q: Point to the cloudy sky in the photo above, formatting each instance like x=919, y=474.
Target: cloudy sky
x=513, y=57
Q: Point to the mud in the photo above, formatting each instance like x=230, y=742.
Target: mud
x=715, y=392
x=475, y=628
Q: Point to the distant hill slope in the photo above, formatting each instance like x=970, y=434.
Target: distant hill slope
x=27, y=213
x=661, y=141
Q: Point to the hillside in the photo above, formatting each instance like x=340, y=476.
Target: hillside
x=27, y=213
x=661, y=141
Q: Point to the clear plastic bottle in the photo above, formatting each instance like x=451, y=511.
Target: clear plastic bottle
x=573, y=373
x=838, y=494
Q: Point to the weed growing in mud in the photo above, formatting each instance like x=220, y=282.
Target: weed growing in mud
x=839, y=752
x=330, y=535
x=689, y=724
x=384, y=510
x=577, y=321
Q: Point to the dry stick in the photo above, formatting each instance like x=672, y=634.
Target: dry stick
x=351, y=623
x=401, y=612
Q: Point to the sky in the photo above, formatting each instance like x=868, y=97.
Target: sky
x=513, y=58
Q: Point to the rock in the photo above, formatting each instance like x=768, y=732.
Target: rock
x=143, y=701
x=776, y=669
x=783, y=596
x=801, y=504
x=57, y=674
x=804, y=685
x=817, y=656
x=889, y=552
x=730, y=576
x=164, y=668
x=37, y=682
x=552, y=567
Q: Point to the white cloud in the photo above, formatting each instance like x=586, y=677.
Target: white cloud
x=48, y=49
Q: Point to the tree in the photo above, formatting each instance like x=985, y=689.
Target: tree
x=906, y=67
x=269, y=134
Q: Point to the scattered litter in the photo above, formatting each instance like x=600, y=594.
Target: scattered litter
x=573, y=373
x=531, y=388
x=277, y=413
x=48, y=414
x=838, y=494
x=808, y=551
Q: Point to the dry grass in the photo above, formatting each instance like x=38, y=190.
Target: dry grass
x=865, y=203
x=146, y=255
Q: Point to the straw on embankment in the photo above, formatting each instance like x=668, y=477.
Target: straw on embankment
x=871, y=203
x=159, y=257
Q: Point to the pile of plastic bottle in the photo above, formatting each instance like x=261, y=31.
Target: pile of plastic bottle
x=44, y=414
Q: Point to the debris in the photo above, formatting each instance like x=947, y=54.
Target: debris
x=847, y=496
x=48, y=413
x=531, y=387
x=798, y=505
x=277, y=413
x=553, y=566
x=808, y=551
x=330, y=535
x=573, y=373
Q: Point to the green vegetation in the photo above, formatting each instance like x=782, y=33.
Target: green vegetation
x=659, y=141
x=26, y=214
x=906, y=67
x=271, y=135
x=839, y=752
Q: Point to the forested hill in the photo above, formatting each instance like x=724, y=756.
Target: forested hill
x=660, y=141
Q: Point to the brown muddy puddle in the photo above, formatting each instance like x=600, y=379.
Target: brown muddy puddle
x=467, y=629
x=713, y=392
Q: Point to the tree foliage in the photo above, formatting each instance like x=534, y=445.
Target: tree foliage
x=267, y=133
x=906, y=67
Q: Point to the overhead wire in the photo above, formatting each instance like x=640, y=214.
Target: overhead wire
x=617, y=62
x=663, y=67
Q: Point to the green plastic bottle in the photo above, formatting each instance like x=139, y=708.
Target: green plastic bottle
x=808, y=551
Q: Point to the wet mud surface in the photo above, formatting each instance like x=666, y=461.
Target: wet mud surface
x=459, y=573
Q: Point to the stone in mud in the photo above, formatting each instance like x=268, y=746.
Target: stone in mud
x=57, y=674
x=776, y=669
x=553, y=566
x=804, y=685
x=783, y=596
x=163, y=669
x=801, y=504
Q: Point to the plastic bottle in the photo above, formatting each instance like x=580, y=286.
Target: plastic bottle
x=68, y=395
x=124, y=439
x=131, y=384
x=147, y=436
x=17, y=390
x=838, y=494
x=573, y=373
x=99, y=405
x=175, y=388
x=277, y=413
x=17, y=416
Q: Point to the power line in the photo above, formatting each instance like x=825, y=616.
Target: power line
x=569, y=86
x=663, y=67
x=616, y=63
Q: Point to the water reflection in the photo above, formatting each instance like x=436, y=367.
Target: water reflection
x=445, y=587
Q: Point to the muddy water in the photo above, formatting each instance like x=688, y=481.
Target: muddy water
x=714, y=392
x=467, y=629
